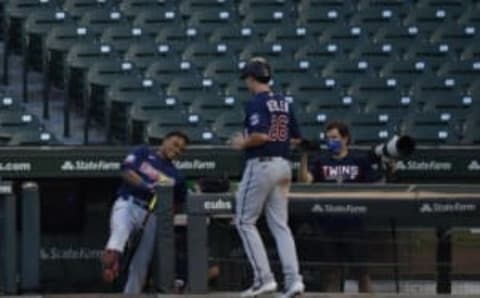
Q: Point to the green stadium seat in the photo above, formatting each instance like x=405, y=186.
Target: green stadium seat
x=9, y=104
x=317, y=55
x=454, y=7
x=120, y=37
x=209, y=107
x=163, y=71
x=376, y=54
x=273, y=52
x=400, y=37
x=345, y=72
x=264, y=21
x=430, y=88
x=375, y=119
x=458, y=105
x=198, y=134
x=431, y=128
x=189, y=87
x=344, y=7
x=305, y=91
x=211, y=19
x=313, y=132
x=286, y=69
x=392, y=106
x=77, y=8
x=149, y=108
x=132, y=8
x=334, y=103
x=98, y=20
x=58, y=42
x=79, y=58
x=201, y=53
x=222, y=71
x=16, y=12
x=153, y=21
x=188, y=8
x=471, y=128
x=33, y=138
x=399, y=6
x=121, y=95
x=265, y=6
x=470, y=17
x=227, y=124
x=234, y=36
x=37, y=26
x=471, y=51
x=432, y=54
x=144, y=54
x=100, y=76
x=177, y=37
x=370, y=135
x=428, y=19
x=405, y=72
x=347, y=37
x=317, y=20
x=370, y=19
x=464, y=72
x=15, y=122
x=237, y=90
x=457, y=37
x=289, y=37
x=365, y=89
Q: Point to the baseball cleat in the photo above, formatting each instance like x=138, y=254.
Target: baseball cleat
x=295, y=291
x=257, y=290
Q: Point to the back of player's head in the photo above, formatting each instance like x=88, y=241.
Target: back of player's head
x=178, y=133
x=257, y=68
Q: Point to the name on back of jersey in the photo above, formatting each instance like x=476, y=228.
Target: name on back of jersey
x=277, y=106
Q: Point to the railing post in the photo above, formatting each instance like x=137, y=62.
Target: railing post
x=30, y=261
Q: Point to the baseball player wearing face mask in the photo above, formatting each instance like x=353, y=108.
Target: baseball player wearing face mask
x=270, y=126
x=142, y=169
x=341, y=165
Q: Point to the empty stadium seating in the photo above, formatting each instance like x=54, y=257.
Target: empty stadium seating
x=349, y=59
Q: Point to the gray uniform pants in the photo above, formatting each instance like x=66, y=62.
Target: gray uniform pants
x=264, y=187
x=125, y=217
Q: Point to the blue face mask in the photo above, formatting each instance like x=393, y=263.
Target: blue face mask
x=334, y=146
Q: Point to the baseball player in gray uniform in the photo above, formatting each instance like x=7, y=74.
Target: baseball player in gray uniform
x=270, y=127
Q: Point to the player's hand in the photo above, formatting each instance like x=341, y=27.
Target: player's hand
x=237, y=141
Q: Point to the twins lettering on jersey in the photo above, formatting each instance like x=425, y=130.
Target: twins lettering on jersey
x=340, y=171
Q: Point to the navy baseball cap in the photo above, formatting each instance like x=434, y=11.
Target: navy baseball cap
x=257, y=68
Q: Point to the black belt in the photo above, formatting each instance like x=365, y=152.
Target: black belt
x=140, y=203
x=266, y=158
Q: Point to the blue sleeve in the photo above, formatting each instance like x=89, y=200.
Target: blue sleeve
x=135, y=158
x=257, y=119
x=294, y=129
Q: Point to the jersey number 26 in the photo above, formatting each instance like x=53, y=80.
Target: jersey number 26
x=278, y=128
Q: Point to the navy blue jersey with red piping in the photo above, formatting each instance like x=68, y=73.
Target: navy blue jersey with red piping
x=271, y=114
x=149, y=166
x=355, y=167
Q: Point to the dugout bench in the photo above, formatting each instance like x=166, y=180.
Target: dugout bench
x=438, y=206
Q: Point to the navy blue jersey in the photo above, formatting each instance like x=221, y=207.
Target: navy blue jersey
x=148, y=165
x=355, y=167
x=271, y=114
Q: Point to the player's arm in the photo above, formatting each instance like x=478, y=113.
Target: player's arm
x=253, y=140
x=304, y=174
x=129, y=166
